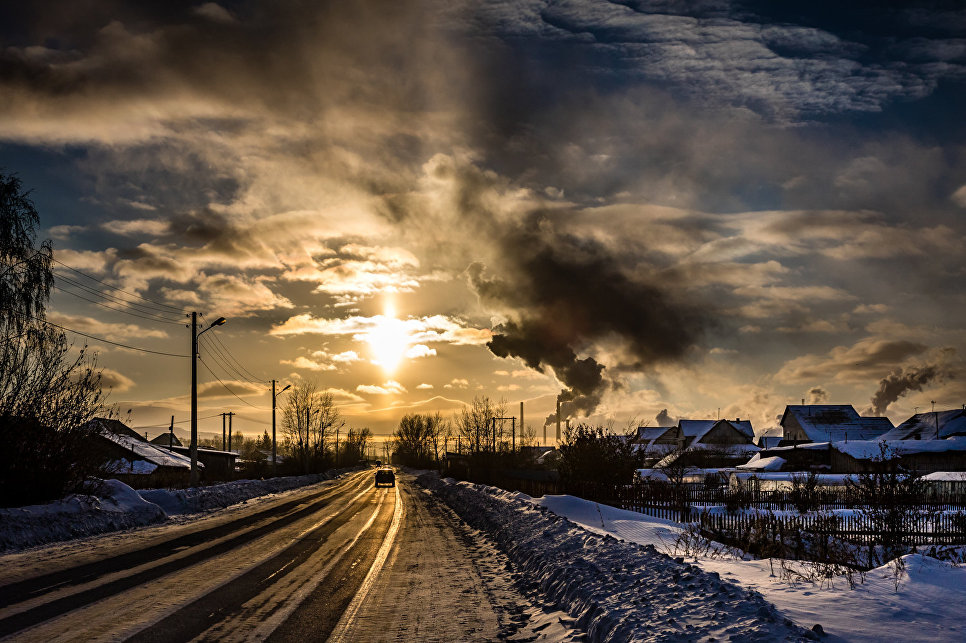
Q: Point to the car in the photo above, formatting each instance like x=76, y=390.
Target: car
x=385, y=476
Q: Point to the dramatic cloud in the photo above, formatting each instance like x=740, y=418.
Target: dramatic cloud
x=859, y=362
x=229, y=388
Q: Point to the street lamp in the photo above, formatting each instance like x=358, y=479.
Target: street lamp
x=194, y=390
x=274, y=397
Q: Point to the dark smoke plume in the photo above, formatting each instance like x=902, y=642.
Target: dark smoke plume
x=663, y=419
x=900, y=381
x=568, y=293
x=817, y=395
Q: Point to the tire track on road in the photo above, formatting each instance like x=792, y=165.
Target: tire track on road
x=57, y=607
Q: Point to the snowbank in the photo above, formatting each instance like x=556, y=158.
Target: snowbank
x=618, y=591
x=117, y=506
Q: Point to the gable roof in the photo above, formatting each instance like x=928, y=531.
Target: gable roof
x=163, y=438
x=650, y=433
x=695, y=428
x=924, y=425
x=835, y=422
x=144, y=450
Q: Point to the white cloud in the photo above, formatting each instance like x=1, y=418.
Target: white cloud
x=424, y=387
x=390, y=387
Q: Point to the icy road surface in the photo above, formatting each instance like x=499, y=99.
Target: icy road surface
x=339, y=559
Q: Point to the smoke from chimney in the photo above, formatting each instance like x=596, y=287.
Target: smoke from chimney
x=900, y=381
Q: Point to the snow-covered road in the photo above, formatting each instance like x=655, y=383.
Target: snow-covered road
x=340, y=558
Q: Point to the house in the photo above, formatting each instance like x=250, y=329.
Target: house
x=219, y=465
x=655, y=442
x=135, y=461
x=769, y=438
x=829, y=423
x=167, y=439
x=711, y=443
x=934, y=425
x=916, y=456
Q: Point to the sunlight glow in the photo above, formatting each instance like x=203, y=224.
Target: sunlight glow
x=388, y=340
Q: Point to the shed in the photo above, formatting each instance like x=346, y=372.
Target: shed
x=918, y=456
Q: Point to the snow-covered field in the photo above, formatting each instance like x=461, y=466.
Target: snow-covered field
x=926, y=607
x=117, y=506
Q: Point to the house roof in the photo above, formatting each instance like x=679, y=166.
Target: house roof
x=649, y=433
x=758, y=463
x=697, y=429
x=834, y=422
x=950, y=423
x=871, y=449
x=148, y=452
x=163, y=438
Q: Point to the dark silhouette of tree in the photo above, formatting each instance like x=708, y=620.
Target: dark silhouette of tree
x=416, y=440
x=48, y=392
x=475, y=424
x=309, y=421
x=593, y=455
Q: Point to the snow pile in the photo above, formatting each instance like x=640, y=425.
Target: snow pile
x=117, y=506
x=618, y=591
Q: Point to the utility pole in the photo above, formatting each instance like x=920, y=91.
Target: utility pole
x=274, y=451
x=194, y=399
x=224, y=444
x=229, y=414
x=337, y=448
x=193, y=450
x=171, y=435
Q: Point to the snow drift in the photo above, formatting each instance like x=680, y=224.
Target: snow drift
x=117, y=506
x=618, y=591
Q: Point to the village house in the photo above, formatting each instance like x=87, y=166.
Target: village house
x=710, y=443
x=934, y=425
x=135, y=461
x=829, y=423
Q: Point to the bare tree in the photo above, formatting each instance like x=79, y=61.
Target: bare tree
x=48, y=392
x=475, y=423
x=309, y=418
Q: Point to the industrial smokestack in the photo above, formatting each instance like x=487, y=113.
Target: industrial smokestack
x=558, y=419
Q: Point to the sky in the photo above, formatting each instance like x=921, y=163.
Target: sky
x=651, y=210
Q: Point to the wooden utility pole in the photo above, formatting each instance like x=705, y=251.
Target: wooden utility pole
x=193, y=450
x=171, y=434
x=229, y=414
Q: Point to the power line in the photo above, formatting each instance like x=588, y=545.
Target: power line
x=162, y=426
x=100, y=339
x=219, y=357
x=225, y=385
x=120, y=310
x=231, y=357
x=84, y=274
x=139, y=308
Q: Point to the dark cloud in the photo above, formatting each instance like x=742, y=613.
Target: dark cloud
x=901, y=381
x=567, y=293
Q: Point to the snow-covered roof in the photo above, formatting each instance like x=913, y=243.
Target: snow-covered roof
x=869, y=449
x=138, y=467
x=949, y=423
x=651, y=433
x=696, y=428
x=833, y=422
x=945, y=476
x=146, y=451
x=758, y=463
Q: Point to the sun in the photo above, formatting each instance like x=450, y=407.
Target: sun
x=388, y=340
